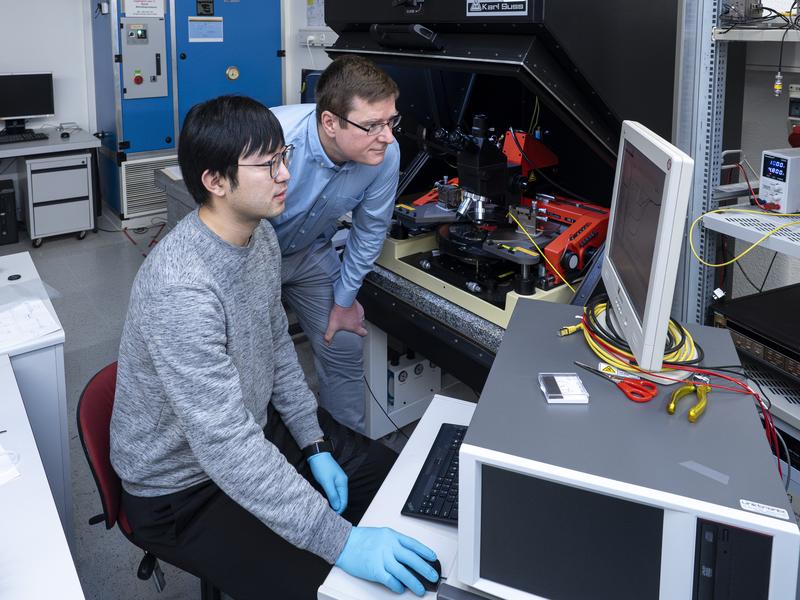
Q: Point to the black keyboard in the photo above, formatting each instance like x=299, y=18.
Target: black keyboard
x=14, y=138
x=435, y=493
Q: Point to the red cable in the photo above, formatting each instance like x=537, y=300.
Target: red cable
x=769, y=425
x=762, y=205
x=127, y=235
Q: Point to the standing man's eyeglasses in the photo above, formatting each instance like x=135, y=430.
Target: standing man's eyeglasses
x=274, y=164
x=375, y=128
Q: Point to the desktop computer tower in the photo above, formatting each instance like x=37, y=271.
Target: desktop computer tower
x=8, y=213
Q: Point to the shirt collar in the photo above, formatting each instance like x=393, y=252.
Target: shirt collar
x=317, y=151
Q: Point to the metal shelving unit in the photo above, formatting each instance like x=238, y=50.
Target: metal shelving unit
x=772, y=34
x=699, y=110
x=751, y=227
x=700, y=106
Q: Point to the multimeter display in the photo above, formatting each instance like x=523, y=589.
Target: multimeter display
x=774, y=167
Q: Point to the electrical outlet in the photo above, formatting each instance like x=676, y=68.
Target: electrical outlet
x=313, y=38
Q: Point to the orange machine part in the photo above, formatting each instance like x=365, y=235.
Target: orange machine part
x=587, y=227
x=539, y=154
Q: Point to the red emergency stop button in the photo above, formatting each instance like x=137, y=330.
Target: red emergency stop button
x=138, y=79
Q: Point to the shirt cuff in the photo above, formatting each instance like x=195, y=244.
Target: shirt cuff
x=330, y=536
x=305, y=430
x=343, y=297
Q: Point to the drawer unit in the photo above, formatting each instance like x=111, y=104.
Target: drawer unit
x=59, y=195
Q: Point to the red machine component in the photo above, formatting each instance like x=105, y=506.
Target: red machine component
x=539, y=154
x=587, y=225
x=794, y=136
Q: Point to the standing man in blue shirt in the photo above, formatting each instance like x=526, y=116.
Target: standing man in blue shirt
x=345, y=160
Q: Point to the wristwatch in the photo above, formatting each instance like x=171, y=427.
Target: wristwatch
x=323, y=445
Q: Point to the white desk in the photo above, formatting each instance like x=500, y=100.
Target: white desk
x=39, y=369
x=56, y=182
x=384, y=511
x=77, y=140
x=35, y=561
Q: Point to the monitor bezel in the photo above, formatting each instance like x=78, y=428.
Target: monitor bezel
x=681, y=514
x=52, y=94
x=647, y=339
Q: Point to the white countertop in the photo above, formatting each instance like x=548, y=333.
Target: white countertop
x=35, y=560
x=384, y=511
x=27, y=287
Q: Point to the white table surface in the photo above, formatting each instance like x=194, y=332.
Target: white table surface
x=35, y=561
x=77, y=140
x=384, y=511
x=27, y=287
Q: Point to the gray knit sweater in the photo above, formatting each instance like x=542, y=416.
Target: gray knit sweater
x=204, y=350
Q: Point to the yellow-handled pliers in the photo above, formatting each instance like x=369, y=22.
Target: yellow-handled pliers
x=699, y=386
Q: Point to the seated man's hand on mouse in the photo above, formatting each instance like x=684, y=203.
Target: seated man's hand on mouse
x=384, y=555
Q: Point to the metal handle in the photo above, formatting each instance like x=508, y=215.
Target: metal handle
x=158, y=64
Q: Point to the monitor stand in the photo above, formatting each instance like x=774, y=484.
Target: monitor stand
x=671, y=375
x=15, y=127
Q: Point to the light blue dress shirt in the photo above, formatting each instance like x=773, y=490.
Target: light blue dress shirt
x=320, y=192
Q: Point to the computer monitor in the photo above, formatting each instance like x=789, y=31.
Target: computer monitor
x=648, y=215
x=25, y=96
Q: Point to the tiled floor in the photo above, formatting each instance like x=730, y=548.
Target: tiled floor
x=89, y=282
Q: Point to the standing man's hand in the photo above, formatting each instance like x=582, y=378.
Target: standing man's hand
x=345, y=319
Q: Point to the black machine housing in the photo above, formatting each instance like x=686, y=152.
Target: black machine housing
x=580, y=67
x=595, y=62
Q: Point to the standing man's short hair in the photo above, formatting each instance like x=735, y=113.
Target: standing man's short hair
x=217, y=133
x=350, y=77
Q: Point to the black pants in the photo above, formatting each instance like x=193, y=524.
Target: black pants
x=202, y=531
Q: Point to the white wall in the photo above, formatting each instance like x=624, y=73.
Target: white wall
x=49, y=35
x=293, y=13
x=764, y=126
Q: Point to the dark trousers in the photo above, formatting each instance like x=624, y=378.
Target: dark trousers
x=202, y=531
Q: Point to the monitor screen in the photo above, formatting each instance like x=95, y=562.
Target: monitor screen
x=557, y=541
x=25, y=95
x=634, y=233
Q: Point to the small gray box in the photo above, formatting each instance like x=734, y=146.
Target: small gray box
x=144, y=56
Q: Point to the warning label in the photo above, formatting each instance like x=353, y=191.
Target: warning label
x=476, y=8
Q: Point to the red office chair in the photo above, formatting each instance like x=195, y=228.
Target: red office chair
x=94, y=423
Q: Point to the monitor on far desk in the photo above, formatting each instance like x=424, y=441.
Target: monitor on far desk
x=25, y=96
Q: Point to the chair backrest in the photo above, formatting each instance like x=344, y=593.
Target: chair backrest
x=94, y=427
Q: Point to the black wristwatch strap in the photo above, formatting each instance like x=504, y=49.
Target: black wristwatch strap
x=317, y=447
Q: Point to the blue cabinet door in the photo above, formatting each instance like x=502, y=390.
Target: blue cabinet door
x=251, y=38
x=147, y=123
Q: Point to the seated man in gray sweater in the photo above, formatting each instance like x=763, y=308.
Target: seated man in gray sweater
x=229, y=469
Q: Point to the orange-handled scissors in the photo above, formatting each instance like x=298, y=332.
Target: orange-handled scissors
x=638, y=390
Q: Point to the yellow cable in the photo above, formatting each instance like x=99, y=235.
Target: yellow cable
x=685, y=352
x=748, y=249
x=539, y=250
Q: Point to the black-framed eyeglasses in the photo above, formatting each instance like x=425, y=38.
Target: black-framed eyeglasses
x=284, y=157
x=375, y=128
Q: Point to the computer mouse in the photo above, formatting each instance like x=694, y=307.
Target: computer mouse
x=429, y=585
x=65, y=134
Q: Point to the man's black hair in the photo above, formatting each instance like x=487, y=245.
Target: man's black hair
x=218, y=132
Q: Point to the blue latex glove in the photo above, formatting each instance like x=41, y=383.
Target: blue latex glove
x=380, y=555
x=333, y=480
